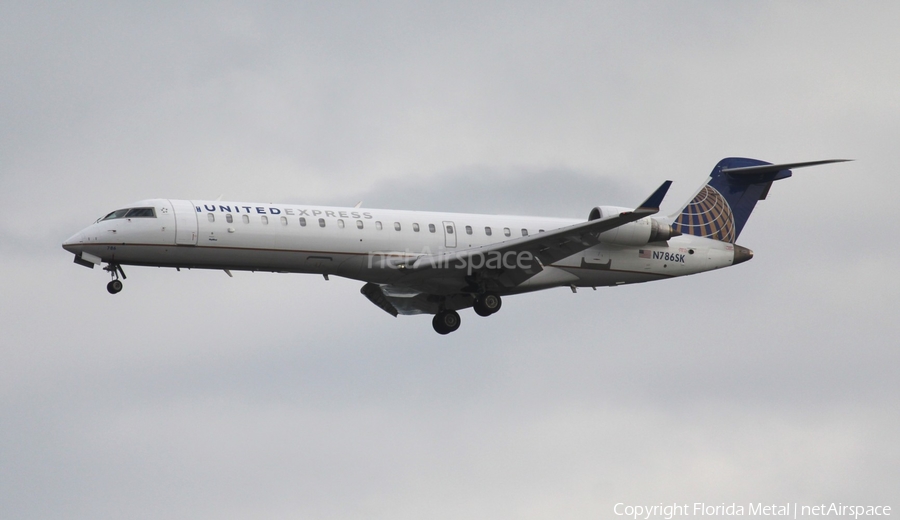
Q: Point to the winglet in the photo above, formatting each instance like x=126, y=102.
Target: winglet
x=651, y=205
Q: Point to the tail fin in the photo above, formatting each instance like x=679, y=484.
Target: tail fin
x=721, y=207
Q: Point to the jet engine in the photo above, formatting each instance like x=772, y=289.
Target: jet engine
x=637, y=233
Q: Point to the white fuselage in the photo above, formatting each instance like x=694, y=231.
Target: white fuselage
x=349, y=242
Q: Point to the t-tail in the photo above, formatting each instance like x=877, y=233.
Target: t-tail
x=723, y=204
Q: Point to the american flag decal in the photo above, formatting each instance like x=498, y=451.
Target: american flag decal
x=644, y=253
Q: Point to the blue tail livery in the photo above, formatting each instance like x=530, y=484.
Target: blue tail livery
x=722, y=206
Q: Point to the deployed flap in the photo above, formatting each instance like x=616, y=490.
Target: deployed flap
x=401, y=300
x=530, y=253
x=375, y=295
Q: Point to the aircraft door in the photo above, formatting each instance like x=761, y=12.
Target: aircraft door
x=449, y=234
x=185, y=222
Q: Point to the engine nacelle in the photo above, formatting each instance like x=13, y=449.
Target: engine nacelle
x=637, y=233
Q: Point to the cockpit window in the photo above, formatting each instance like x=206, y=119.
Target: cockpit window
x=119, y=213
x=131, y=213
x=140, y=212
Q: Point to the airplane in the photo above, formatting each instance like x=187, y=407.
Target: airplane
x=414, y=262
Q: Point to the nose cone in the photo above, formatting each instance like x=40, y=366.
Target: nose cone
x=73, y=243
x=741, y=254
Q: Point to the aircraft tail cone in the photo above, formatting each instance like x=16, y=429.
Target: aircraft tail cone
x=741, y=254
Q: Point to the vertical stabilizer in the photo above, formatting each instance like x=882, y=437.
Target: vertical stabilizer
x=721, y=207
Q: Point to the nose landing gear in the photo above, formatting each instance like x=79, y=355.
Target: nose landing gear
x=115, y=285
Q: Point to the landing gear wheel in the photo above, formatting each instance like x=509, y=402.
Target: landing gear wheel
x=487, y=304
x=114, y=286
x=446, y=322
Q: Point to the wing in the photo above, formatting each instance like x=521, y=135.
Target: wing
x=430, y=279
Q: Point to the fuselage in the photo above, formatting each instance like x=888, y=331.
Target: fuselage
x=352, y=242
x=416, y=262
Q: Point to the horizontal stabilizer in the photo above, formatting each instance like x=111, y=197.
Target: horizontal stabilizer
x=772, y=168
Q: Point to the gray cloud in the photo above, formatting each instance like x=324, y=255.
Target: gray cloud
x=195, y=395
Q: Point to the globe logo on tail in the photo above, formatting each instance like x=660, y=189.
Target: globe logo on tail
x=708, y=215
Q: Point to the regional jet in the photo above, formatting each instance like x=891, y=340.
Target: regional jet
x=413, y=262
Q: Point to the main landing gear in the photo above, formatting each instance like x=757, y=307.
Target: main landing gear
x=447, y=321
x=487, y=304
x=115, y=285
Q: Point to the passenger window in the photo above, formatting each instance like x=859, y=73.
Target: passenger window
x=396, y=226
x=264, y=219
x=303, y=221
x=449, y=230
x=229, y=218
x=245, y=218
x=506, y=231
x=524, y=232
x=211, y=217
x=540, y=231
x=468, y=230
x=378, y=225
x=359, y=224
x=415, y=227
x=487, y=230
x=341, y=223
x=431, y=228
x=321, y=222
x=283, y=221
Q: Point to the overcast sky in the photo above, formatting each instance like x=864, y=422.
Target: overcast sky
x=194, y=395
